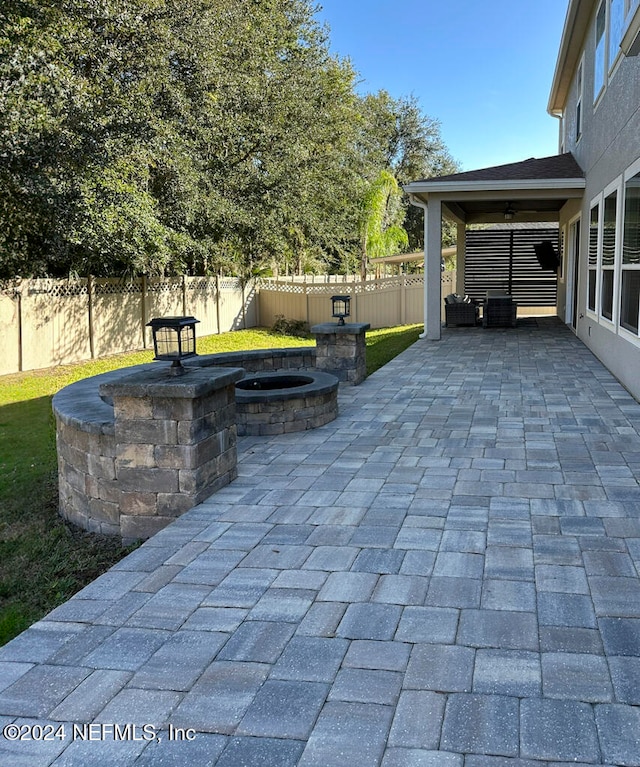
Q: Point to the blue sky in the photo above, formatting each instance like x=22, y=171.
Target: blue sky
x=483, y=69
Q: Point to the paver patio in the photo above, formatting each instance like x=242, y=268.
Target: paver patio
x=445, y=575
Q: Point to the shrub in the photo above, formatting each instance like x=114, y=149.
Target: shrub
x=284, y=327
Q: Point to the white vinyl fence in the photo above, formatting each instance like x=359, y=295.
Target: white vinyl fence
x=55, y=322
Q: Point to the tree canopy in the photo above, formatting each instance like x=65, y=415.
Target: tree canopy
x=208, y=136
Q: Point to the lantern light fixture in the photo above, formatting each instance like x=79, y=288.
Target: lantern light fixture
x=509, y=212
x=174, y=339
x=340, y=308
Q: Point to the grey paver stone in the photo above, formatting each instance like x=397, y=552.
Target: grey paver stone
x=370, y=621
x=615, y=597
x=284, y=709
x=38, y=644
x=40, y=690
x=608, y=563
x=509, y=562
x=445, y=591
x=458, y=565
x=481, y=724
x=519, y=596
x=359, y=685
x=503, y=629
x=241, y=588
x=98, y=753
x=414, y=757
x=218, y=701
x=558, y=609
x=11, y=671
x=274, y=752
x=418, y=563
x=91, y=696
x=126, y=649
x=437, y=625
x=558, y=730
x=140, y=707
x=440, y=668
x=179, y=661
x=348, y=733
x=378, y=536
x=570, y=639
x=226, y=619
x=619, y=731
x=576, y=676
x=507, y=672
x=170, y=607
x=561, y=578
x=278, y=557
x=257, y=641
x=348, y=587
x=401, y=589
x=203, y=749
x=322, y=619
x=285, y=605
x=379, y=561
x=371, y=654
x=418, y=720
x=621, y=636
x=625, y=675
x=332, y=558
x=313, y=659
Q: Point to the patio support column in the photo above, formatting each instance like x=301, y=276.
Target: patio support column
x=432, y=270
x=461, y=258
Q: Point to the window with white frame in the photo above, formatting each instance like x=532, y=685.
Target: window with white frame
x=608, y=261
x=600, y=58
x=592, y=283
x=579, y=91
x=617, y=13
x=630, y=276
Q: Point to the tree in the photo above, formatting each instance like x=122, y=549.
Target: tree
x=381, y=233
x=400, y=138
x=166, y=136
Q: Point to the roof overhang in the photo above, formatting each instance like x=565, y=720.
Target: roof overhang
x=485, y=202
x=575, y=29
x=576, y=26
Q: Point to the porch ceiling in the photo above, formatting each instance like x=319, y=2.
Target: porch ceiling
x=535, y=189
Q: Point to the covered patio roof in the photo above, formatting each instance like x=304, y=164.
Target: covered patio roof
x=534, y=190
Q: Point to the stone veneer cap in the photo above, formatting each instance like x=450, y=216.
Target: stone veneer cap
x=349, y=328
x=158, y=382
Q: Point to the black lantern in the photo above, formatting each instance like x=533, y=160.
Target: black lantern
x=174, y=338
x=340, y=307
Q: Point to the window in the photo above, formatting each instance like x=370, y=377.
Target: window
x=594, y=226
x=608, y=255
x=616, y=24
x=579, y=89
x=600, y=56
x=630, y=283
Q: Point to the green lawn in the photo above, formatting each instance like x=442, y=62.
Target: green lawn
x=43, y=560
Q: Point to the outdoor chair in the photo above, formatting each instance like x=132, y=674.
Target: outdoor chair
x=460, y=312
x=499, y=310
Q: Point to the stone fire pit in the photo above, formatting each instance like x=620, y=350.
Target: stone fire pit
x=278, y=403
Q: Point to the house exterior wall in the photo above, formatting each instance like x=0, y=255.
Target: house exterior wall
x=608, y=150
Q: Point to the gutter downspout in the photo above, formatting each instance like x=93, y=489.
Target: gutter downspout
x=419, y=204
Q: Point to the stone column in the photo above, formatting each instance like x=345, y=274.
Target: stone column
x=175, y=442
x=341, y=350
